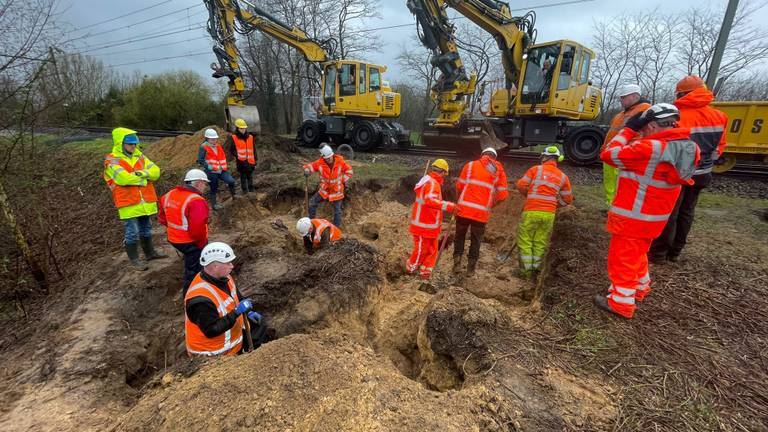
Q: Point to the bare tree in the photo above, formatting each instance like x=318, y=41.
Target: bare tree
x=415, y=63
x=747, y=43
x=479, y=53
x=26, y=34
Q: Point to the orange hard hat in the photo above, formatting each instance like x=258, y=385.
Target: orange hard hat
x=689, y=83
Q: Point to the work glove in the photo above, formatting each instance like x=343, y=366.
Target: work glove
x=244, y=306
x=636, y=122
x=254, y=316
x=306, y=173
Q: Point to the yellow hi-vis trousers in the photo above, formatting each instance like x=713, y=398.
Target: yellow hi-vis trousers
x=610, y=182
x=533, y=233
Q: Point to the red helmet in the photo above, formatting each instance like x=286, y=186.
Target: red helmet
x=689, y=83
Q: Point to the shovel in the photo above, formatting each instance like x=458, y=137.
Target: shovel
x=247, y=332
x=306, y=192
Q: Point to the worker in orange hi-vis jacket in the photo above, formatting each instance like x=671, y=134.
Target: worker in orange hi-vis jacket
x=651, y=172
x=481, y=186
x=427, y=219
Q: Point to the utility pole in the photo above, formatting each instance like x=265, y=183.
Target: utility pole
x=722, y=39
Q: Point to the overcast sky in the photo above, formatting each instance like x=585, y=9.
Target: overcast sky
x=118, y=42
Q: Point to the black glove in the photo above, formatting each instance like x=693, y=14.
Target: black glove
x=636, y=122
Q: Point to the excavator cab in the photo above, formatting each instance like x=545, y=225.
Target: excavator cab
x=555, y=83
x=355, y=88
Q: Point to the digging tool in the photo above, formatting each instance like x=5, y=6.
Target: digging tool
x=306, y=192
x=506, y=252
x=248, y=332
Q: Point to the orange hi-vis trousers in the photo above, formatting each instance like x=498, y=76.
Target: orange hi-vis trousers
x=628, y=271
x=423, y=256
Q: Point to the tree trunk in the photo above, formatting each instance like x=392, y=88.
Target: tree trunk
x=21, y=242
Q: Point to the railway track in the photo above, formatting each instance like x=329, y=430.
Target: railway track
x=741, y=171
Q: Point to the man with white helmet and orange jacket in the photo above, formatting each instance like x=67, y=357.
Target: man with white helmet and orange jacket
x=334, y=172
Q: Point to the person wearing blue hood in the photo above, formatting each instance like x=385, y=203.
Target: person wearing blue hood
x=130, y=176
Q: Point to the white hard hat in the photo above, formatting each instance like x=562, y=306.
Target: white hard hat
x=303, y=226
x=490, y=150
x=661, y=111
x=216, y=252
x=326, y=151
x=628, y=89
x=196, y=174
x=211, y=133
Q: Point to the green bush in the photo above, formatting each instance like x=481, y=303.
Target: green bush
x=169, y=101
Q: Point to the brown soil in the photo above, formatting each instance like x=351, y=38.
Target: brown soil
x=361, y=347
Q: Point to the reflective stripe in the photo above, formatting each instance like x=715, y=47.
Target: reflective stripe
x=703, y=171
x=621, y=299
x=480, y=183
x=620, y=138
x=501, y=189
x=184, y=222
x=444, y=207
x=566, y=193
x=650, y=182
x=473, y=205
x=639, y=216
x=707, y=129
x=626, y=292
x=542, y=197
x=615, y=158
x=226, y=348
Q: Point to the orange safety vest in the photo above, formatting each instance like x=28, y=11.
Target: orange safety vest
x=215, y=157
x=229, y=342
x=427, y=210
x=649, y=183
x=332, y=180
x=545, y=186
x=620, y=119
x=707, y=125
x=481, y=185
x=175, y=205
x=320, y=226
x=245, y=149
x=125, y=196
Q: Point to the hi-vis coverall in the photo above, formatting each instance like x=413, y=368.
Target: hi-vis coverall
x=545, y=186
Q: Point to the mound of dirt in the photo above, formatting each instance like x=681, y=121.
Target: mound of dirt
x=180, y=153
x=324, y=382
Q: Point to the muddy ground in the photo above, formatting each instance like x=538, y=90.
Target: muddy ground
x=359, y=346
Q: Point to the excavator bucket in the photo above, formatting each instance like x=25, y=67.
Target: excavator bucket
x=470, y=136
x=248, y=113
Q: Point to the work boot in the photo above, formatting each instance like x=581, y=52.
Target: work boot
x=471, y=264
x=602, y=302
x=133, y=255
x=656, y=259
x=149, y=250
x=233, y=191
x=673, y=258
x=456, y=264
x=214, y=205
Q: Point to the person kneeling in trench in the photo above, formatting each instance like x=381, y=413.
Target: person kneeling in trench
x=317, y=233
x=214, y=322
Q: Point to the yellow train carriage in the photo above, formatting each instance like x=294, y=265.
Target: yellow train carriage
x=747, y=133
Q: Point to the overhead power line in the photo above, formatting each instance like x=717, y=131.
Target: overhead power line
x=121, y=16
x=152, y=47
x=160, y=59
x=132, y=25
x=141, y=39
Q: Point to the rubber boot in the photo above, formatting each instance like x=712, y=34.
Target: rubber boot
x=602, y=302
x=213, y=203
x=233, y=191
x=149, y=250
x=133, y=255
x=456, y=264
x=471, y=264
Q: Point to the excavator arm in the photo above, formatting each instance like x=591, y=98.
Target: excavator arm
x=226, y=18
x=454, y=87
x=513, y=34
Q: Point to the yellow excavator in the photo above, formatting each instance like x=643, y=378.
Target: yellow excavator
x=356, y=104
x=547, y=96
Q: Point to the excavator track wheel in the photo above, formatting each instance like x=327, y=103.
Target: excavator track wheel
x=311, y=133
x=365, y=136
